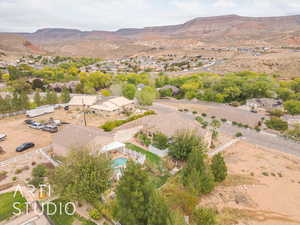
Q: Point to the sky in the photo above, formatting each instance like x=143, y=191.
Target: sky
x=110, y=15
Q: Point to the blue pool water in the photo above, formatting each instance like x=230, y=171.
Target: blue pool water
x=119, y=162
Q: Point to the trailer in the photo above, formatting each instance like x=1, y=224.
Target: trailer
x=40, y=111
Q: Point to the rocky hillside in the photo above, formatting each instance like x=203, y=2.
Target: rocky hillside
x=230, y=30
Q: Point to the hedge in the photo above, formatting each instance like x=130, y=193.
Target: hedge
x=110, y=125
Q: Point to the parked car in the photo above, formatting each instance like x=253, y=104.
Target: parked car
x=29, y=122
x=36, y=126
x=24, y=147
x=50, y=129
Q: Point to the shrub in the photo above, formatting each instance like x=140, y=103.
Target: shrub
x=110, y=125
x=219, y=168
x=224, y=120
x=39, y=171
x=265, y=174
x=14, y=178
x=204, y=114
x=276, y=112
x=238, y=134
x=204, y=216
x=160, y=141
x=195, y=112
x=276, y=123
x=36, y=181
x=199, y=119
x=144, y=139
x=95, y=214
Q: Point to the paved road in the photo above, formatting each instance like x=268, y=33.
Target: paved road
x=258, y=138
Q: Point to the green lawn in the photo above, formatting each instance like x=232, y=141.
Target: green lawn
x=7, y=201
x=63, y=218
x=149, y=155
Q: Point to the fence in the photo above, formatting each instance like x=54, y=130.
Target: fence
x=5, y=115
x=27, y=155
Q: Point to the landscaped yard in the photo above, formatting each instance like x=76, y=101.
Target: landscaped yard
x=149, y=155
x=7, y=201
x=63, y=218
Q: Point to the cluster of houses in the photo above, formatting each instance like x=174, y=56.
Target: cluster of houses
x=136, y=64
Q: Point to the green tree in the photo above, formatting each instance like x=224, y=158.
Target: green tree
x=183, y=143
x=146, y=96
x=219, y=168
x=158, y=211
x=24, y=101
x=82, y=176
x=293, y=107
x=15, y=102
x=137, y=201
x=204, y=216
x=129, y=91
x=133, y=194
x=197, y=175
x=51, y=98
x=276, y=123
x=37, y=98
x=65, y=96
x=160, y=141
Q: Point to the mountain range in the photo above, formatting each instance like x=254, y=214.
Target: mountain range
x=229, y=30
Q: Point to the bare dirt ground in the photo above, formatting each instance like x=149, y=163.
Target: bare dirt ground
x=263, y=187
x=18, y=133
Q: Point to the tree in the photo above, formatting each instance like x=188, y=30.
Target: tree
x=158, y=211
x=51, y=98
x=293, y=107
x=37, y=98
x=219, y=168
x=129, y=91
x=137, y=202
x=82, y=176
x=196, y=175
x=160, y=141
x=276, y=123
x=133, y=193
x=183, y=143
x=37, y=84
x=65, y=96
x=294, y=133
x=24, y=100
x=146, y=96
x=204, y=216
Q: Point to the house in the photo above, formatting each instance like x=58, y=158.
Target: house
x=106, y=108
x=263, y=104
x=73, y=136
x=40, y=111
x=114, y=105
x=123, y=103
x=169, y=124
x=83, y=100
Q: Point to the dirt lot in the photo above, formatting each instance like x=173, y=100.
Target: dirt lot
x=263, y=187
x=17, y=132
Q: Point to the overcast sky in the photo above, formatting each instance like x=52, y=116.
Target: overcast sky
x=30, y=15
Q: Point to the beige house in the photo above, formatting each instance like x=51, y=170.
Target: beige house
x=169, y=124
x=114, y=105
x=72, y=137
x=84, y=100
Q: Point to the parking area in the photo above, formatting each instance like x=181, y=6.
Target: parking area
x=18, y=132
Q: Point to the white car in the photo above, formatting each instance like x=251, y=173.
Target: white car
x=37, y=126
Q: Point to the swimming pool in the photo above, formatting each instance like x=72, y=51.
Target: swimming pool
x=119, y=162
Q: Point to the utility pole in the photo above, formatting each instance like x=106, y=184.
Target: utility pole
x=84, y=112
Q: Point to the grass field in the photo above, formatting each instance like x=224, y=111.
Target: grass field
x=150, y=156
x=63, y=218
x=7, y=201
